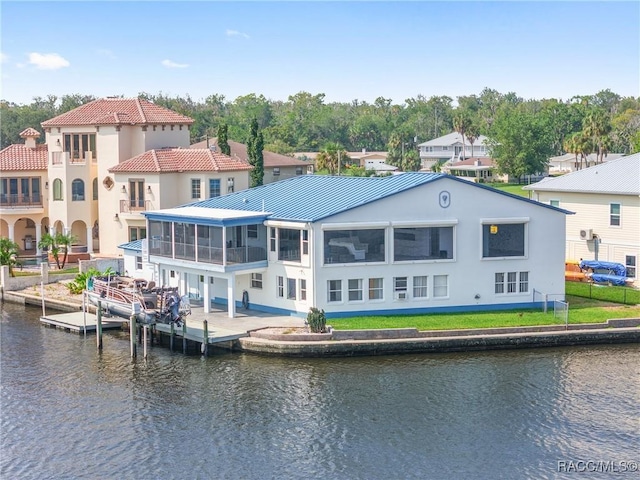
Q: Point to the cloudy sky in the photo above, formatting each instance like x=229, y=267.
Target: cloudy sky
x=346, y=50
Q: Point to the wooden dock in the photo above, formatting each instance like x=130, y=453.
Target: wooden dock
x=197, y=334
x=75, y=322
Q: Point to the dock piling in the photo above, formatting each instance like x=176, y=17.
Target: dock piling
x=205, y=339
x=171, y=335
x=132, y=335
x=184, y=336
x=99, y=326
x=144, y=340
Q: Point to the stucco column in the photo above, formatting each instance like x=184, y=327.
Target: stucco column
x=12, y=232
x=38, y=238
x=182, y=286
x=207, y=294
x=231, y=295
x=89, y=240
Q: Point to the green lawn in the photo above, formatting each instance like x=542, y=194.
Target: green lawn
x=510, y=188
x=581, y=310
x=624, y=295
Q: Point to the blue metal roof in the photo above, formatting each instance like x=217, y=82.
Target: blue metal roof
x=309, y=198
x=136, y=246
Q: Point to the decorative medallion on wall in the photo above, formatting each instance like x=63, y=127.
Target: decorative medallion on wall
x=445, y=199
x=108, y=183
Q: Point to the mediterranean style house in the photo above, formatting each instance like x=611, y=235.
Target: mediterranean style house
x=606, y=202
x=75, y=183
x=276, y=166
x=23, y=191
x=448, y=148
x=406, y=243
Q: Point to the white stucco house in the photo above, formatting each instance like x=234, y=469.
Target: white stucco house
x=606, y=202
x=406, y=243
x=449, y=149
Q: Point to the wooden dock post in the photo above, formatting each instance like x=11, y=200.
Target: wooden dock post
x=132, y=335
x=171, y=335
x=184, y=336
x=144, y=340
x=205, y=339
x=99, y=326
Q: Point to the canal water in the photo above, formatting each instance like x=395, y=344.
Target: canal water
x=68, y=412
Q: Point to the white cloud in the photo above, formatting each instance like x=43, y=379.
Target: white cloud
x=235, y=33
x=3, y=57
x=170, y=64
x=47, y=61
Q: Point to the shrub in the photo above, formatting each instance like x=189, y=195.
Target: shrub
x=316, y=320
x=79, y=283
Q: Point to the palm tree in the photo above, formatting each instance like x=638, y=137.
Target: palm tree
x=55, y=243
x=597, y=126
x=570, y=145
x=460, y=124
x=332, y=157
x=8, y=253
x=472, y=134
x=584, y=146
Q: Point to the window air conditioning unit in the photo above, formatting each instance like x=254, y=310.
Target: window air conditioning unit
x=401, y=295
x=586, y=234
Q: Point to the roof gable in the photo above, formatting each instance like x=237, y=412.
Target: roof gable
x=453, y=138
x=118, y=111
x=620, y=176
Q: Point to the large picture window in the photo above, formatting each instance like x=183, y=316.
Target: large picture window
x=350, y=246
x=423, y=243
x=503, y=240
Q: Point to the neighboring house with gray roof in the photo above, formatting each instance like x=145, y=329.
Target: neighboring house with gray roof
x=606, y=202
x=568, y=162
x=400, y=244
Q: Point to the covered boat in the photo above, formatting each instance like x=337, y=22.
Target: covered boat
x=609, y=273
x=125, y=296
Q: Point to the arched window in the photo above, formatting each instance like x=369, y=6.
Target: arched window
x=77, y=190
x=95, y=188
x=57, y=189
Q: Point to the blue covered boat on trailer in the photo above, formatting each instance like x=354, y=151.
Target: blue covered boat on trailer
x=607, y=273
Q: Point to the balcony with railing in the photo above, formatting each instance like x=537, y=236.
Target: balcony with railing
x=207, y=254
x=20, y=201
x=73, y=158
x=133, y=206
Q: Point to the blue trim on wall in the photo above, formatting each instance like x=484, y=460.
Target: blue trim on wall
x=260, y=308
x=434, y=310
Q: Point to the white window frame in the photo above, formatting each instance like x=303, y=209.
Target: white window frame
x=523, y=282
x=438, y=288
x=231, y=185
x=499, y=282
x=354, y=286
x=303, y=290
x=280, y=286
x=336, y=291
x=196, y=188
x=512, y=282
x=554, y=203
x=617, y=216
x=256, y=280
x=378, y=289
x=630, y=266
x=292, y=285
x=420, y=290
x=276, y=171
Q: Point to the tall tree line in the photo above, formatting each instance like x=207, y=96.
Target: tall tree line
x=604, y=122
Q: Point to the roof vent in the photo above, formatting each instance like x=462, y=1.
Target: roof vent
x=212, y=148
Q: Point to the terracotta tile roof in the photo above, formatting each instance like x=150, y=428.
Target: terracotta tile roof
x=167, y=160
x=271, y=159
x=118, y=111
x=29, y=132
x=21, y=157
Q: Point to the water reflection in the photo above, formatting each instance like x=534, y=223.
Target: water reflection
x=480, y=415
